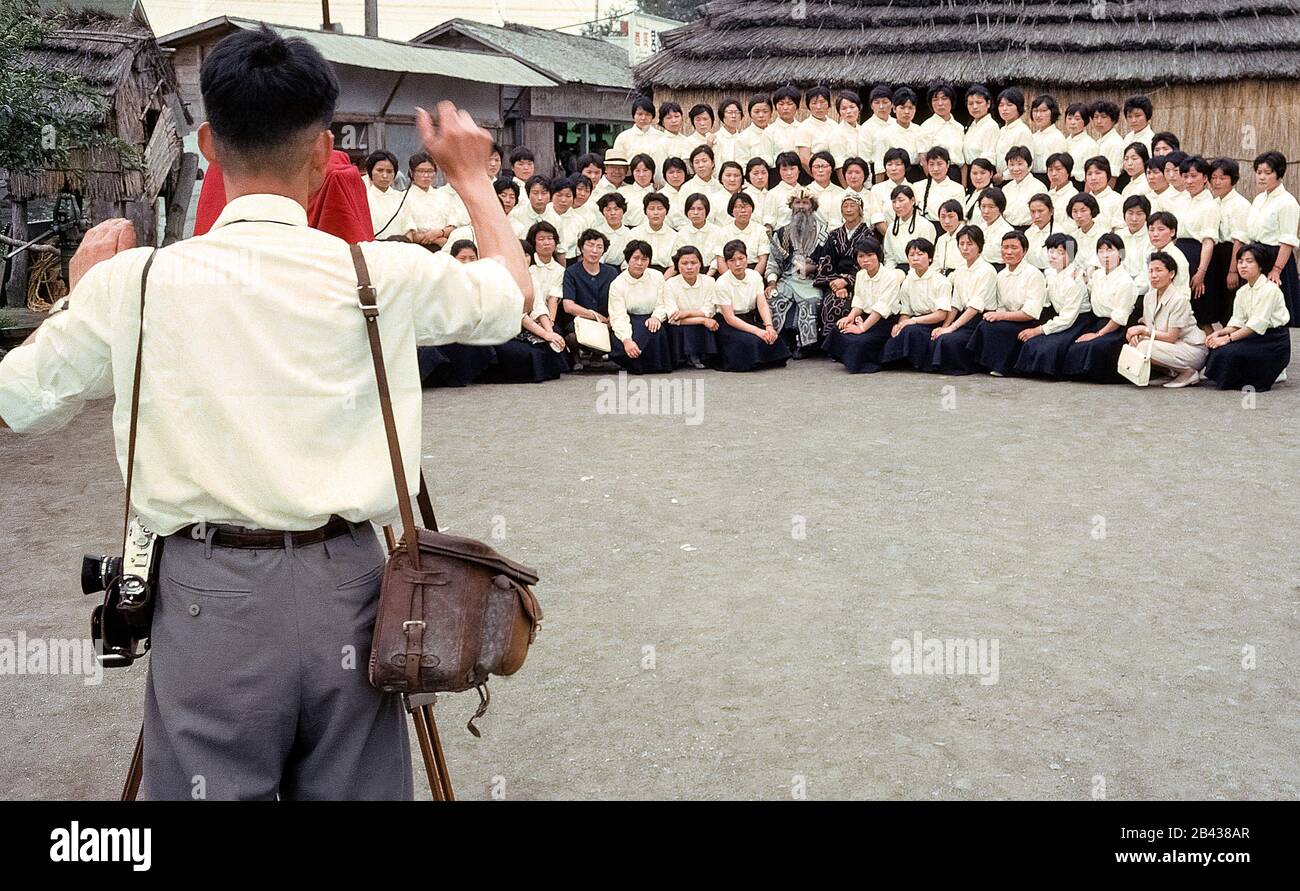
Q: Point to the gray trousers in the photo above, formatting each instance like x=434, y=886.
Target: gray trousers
x=257, y=685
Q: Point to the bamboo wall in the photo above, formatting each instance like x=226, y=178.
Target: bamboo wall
x=1237, y=120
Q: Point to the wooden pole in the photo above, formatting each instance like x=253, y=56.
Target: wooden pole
x=325, y=15
x=178, y=205
x=372, y=18
x=17, y=295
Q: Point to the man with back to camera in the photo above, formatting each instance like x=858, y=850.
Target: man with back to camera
x=259, y=411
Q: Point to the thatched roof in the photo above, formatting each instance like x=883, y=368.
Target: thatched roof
x=119, y=59
x=758, y=44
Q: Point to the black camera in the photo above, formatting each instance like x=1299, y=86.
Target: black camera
x=120, y=625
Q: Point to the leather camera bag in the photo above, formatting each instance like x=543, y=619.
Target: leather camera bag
x=452, y=611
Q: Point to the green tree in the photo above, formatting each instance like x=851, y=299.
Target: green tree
x=43, y=113
x=681, y=10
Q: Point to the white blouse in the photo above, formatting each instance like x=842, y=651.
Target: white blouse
x=629, y=296
x=1113, y=295
x=548, y=282
x=975, y=286
x=1273, y=219
x=926, y=293
x=741, y=294
x=900, y=232
x=1067, y=293
x=1259, y=306
x=1023, y=289
x=880, y=293
x=679, y=295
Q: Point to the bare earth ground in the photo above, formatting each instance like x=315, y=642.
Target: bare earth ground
x=1122, y=546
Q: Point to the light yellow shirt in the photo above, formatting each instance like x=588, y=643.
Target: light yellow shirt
x=1018, y=195
x=703, y=237
x=386, y=211
x=975, y=286
x=946, y=255
x=828, y=197
x=678, y=295
x=660, y=241
x=981, y=141
x=1273, y=219
x=1233, y=208
x=900, y=232
x=1009, y=136
x=895, y=135
x=548, y=284
x=258, y=404
x=1061, y=204
x=757, y=242
x=1113, y=295
x=926, y=293
x=783, y=137
x=629, y=296
x=1047, y=142
x=756, y=142
x=1201, y=217
x=881, y=293
x=741, y=294
x=993, y=233
x=633, y=195
x=1082, y=148
x=1259, y=306
x=1067, y=293
x=1023, y=289
x=1036, y=254
x=930, y=195
x=1111, y=146
x=1137, y=248
x=817, y=136
x=950, y=134
x=424, y=209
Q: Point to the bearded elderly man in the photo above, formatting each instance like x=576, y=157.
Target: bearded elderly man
x=792, y=265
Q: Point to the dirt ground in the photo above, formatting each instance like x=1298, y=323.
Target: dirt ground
x=723, y=598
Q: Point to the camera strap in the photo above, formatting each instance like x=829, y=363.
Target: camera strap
x=135, y=402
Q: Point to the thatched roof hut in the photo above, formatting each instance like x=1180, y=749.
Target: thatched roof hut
x=1223, y=74
x=120, y=59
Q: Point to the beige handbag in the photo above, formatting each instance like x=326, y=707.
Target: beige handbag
x=1135, y=364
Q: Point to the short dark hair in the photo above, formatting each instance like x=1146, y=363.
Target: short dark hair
x=1048, y=100
x=419, y=158
x=733, y=247
x=701, y=108
x=668, y=108
x=1165, y=260
x=903, y=95
x=642, y=103
x=974, y=233
x=591, y=159
x=1065, y=159
x=815, y=92
x=375, y=158
x=1101, y=162
x=1112, y=240
x=261, y=90
x=1276, y=162
x=1228, y=167
x=1168, y=138
x=758, y=100
x=1164, y=218
x=1014, y=96
x=674, y=164
x=1086, y=200
x=1108, y=108
x=655, y=198
x=924, y=245
x=694, y=197
x=643, y=159
x=538, y=180
x=997, y=196
x=593, y=235
x=609, y=198
x=1141, y=202
x=562, y=184
x=786, y=92
x=702, y=150
x=1021, y=152
x=521, y=153
x=1061, y=240
x=1197, y=163
x=788, y=159
x=980, y=90
x=505, y=184
x=1141, y=103
x=460, y=245
x=871, y=245
x=537, y=229
x=736, y=198
x=635, y=245
x=1018, y=237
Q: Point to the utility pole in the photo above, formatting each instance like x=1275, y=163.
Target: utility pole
x=372, y=18
x=325, y=15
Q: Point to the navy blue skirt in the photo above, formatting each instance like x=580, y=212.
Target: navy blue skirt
x=521, y=362
x=912, y=345
x=1291, y=290
x=1096, y=360
x=1251, y=362
x=1045, y=354
x=952, y=353
x=996, y=345
x=454, y=364
x=691, y=340
x=1216, y=304
x=742, y=351
x=859, y=353
x=656, y=348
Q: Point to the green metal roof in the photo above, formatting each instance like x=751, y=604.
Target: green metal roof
x=567, y=58
x=386, y=55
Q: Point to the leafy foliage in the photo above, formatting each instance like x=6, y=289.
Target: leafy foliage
x=43, y=113
x=681, y=10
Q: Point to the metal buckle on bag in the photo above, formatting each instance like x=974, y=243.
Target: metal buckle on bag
x=370, y=309
x=406, y=625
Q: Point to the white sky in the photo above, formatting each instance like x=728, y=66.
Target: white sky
x=398, y=19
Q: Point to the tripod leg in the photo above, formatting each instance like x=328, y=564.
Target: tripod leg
x=439, y=758
x=135, y=771
x=427, y=754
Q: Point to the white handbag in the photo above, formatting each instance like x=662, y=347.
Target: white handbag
x=592, y=334
x=1135, y=364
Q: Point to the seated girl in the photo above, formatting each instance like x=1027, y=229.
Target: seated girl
x=947, y=256
x=1255, y=347
x=537, y=353
x=1044, y=348
x=974, y=292
x=1167, y=317
x=906, y=227
x=746, y=337
x=689, y=304
x=994, y=224
x=585, y=289
x=641, y=343
x=1021, y=293
x=455, y=364
x=1094, y=355
x=858, y=340
x=926, y=298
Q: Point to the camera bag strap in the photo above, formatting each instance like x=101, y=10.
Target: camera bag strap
x=135, y=402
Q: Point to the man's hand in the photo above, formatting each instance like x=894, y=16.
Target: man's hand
x=103, y=242
x=457, y=145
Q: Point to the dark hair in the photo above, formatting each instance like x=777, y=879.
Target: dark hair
x=417, y=159
x=1108, y=108
x=591, y=159
x=655, y=198
x=536, y=229
x=1048, y=100
x=1138, y=149
x=1014, y=96
x=697, y=196
x=1264, y=254
x=847, y=96
x=1086, y=200
x=1167, y=138
x=593, y=235
x=521, y=153
x=815, y=92
x=1165, y=218
x=505, y=184
x=997, y=196
x=1021, y=152
x=675, y=163
x=974, y=233
x=881, y=91
x=897, y=154
x=1197, y=163
x=1113, y=240
x=952, y=205
x=1082, y=109
x=701, y=108
x=1042, y=198
x=871, y=245
x=687, y=249
x=562, y=184
x=980, y=90
x=938, y=151
x=825, y=156
x=1018, y=237
x=1141, y=103
x=638, y=244
x=940, y=87
x=579, y=180
x=702, y=150
x=855, y=162
x=668, y=108
x=757, y=100
x=984, y=164
x=460, y=245
x=733, y=247
x=1176, y=157
x=1157, y=163
x=1276, y=162
x=924, y=245
x=642, y=159
x=786, y=92
x=1167, y=261
x=1101, y=162
x=788, y=159
x=1139, y=201
x=260, y=90
x=1065, y=159
x=537, y=180
x=1228, y=167
x=754, y=162
x=1061, y=240
x=727, y=103
x=902, y=189
x=902, y=96
x=641, y=103
x=374, y=158
x=615, y=198
x=739, y=196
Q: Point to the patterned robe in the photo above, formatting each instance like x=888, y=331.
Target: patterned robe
x=797, y=302
x=839, y=259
